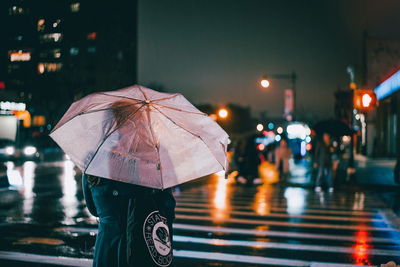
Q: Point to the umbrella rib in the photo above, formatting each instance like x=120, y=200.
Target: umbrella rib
x=131, y=98
x=105, y=138
x=166, y=98
x=103, y=109
x=156, y=146
x=145, y=96
x=177, y=109
x=89, y=112
x=188, y=132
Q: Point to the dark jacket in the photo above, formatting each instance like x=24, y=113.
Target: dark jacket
x=110, y=200
x=323, y=155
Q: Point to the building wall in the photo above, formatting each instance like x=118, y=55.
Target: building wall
x=383, y=60
x=75, y=47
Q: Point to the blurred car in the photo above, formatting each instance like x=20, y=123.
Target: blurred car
x=9, y=151
x=10, y=186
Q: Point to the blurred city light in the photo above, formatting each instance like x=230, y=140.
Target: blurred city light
x=279, y=130
x=298, y=131
x=30, y=150
x=366, y=100
x=260, y=127
x=223, y=113
x=303, y=149
x=260, y=147
x=271, y=126
x=278, y=138
x=309, y=147
x=264, y=83
x=10, y=150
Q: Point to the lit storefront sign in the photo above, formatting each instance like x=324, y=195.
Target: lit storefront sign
x=389, y=86
x=12, y=106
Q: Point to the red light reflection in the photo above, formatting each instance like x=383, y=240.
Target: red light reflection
x=360, y=255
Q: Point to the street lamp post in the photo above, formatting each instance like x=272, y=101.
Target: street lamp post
x=292, y=77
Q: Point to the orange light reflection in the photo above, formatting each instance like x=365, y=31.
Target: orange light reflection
x=221, y=203
x=262, y=200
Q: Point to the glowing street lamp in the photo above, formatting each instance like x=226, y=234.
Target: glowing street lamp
x=264, y=83
x=223, y=113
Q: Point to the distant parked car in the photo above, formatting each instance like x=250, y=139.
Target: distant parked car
x=9, y=151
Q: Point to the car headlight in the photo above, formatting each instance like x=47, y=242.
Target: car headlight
x=10, y=150
x=30, y=150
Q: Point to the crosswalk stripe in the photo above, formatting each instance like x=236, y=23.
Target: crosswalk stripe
x=287, y=224
x=269, y=233
x=273, y=198
x=250, y=232
x=275, y=208
x=254, y=259
x=280, y=215
x=276, y=204
x=276, y=245
x=80, y=262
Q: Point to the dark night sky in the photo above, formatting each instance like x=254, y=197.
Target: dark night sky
x=215, y=51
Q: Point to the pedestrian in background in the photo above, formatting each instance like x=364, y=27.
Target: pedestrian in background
x=251, y=161
x=323, y=162
x=283, y=153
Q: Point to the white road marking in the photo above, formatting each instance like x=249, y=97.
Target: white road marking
x=326, y=206
x=79, y=262
x=250, y=232
x=287, y=224
x=275, y=208
x=276, y=245
x=281, y=215
x=268, y=233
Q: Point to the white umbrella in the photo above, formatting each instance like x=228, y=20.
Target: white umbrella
x=141, y=136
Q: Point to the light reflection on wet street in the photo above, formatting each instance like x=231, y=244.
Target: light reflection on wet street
x=218, y=222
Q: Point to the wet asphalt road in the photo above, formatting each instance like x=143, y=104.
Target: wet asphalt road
x=219, y=223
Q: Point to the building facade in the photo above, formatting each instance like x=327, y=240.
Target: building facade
x=388, y=116
x=58, y=51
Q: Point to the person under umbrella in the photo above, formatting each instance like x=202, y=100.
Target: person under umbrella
x=133, y=145
x=323, y=163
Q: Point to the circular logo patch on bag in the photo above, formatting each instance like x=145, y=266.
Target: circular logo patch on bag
x=157, y=238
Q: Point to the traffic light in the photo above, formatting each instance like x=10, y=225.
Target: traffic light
x=364, y=99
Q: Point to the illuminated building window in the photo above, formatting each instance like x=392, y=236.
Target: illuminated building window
x=49, y=67
x=41, y=25
x=92, y=36
x=19, y=55
x=92, y=49
x=51, y=53
x=56, y=23
x=75, y=7
x=16, y=10
x=74, y=51
x=51, y=37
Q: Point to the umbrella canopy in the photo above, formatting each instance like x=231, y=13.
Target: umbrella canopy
x=333, y=127
x=141, y=136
